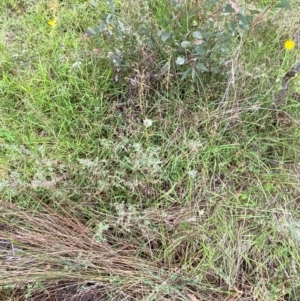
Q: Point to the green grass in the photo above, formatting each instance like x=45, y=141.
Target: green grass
x=202, y=205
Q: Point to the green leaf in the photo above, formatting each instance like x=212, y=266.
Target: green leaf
x=111, y=5
x=200, y=49
x=180, y=60
x=102, y=27
x=197, y=35
x=149, y=43
x=109, y=31
x=244, y=21
x=254, y=12
x=224, y=48
x=210, y=3
x=201, y=67
x=91, y=31
x=284, y=4
x=228, y=9
x=121, y=26
x=165, y=35
x=165, y=68
x=207, y=34
x=185, y=44
x=119, y=34
x=243, y=26
x=186, y=73
x=193, y=73
x=232, y=27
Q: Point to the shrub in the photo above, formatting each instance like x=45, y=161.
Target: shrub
x=191, y=38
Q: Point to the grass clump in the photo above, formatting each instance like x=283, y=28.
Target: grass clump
x=124, y=176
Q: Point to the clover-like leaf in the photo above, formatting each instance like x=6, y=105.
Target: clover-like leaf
x=180, y=60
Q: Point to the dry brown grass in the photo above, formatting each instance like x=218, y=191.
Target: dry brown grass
x=58, y=252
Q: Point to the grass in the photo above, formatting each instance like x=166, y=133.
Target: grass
x=201, y=205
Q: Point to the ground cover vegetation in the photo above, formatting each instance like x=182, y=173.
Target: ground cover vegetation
x=141, y=154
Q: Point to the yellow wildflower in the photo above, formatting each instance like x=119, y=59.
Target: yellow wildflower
x=52, y=22
x=289, y=45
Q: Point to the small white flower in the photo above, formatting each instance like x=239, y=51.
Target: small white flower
x=147, y=123
x=192, y=173
x=201, y=212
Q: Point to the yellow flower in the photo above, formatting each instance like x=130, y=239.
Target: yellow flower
x=289, y=45
x=52, y=22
